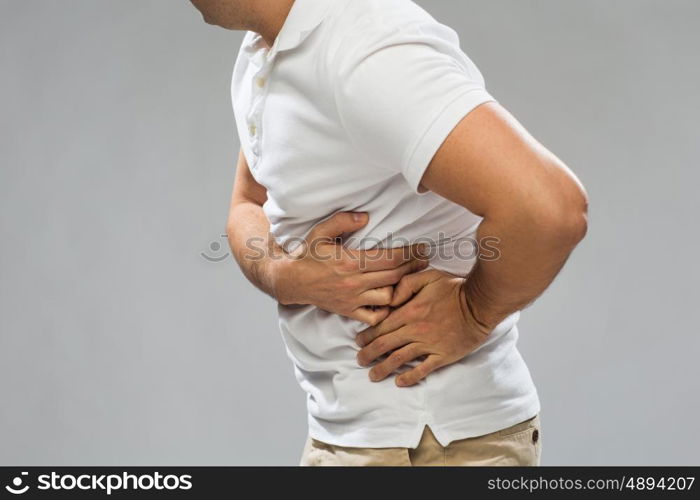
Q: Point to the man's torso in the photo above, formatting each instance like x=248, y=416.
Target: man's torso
x=297, y=148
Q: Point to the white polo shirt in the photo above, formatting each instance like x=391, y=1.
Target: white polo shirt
x=344, y=113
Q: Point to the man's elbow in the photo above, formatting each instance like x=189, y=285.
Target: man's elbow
x=577, y=223
x=230, y=226
x=567, y=219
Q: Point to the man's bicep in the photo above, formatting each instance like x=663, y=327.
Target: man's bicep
x=489, y=161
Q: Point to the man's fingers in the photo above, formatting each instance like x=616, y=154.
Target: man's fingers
x=391, y=277
x=395, y=360
x=376, y=296
x=410, y=285
x=342, y=222
x=369, y=315
x=413, y=376
x=384, y=344
x=393, y=321
x=383, y=259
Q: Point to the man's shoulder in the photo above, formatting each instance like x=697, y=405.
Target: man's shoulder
x=374, y=14
x=362, y=26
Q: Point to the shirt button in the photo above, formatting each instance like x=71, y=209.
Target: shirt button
x=252, y=129
x=260, y=81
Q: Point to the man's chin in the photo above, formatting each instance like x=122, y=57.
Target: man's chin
x=212, y=22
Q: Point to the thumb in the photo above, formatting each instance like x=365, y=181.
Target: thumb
x=410, y=285
x=342, y=222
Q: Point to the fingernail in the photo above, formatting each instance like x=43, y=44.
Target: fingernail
x=400, y=382
x=359, y=342
x=357, y=217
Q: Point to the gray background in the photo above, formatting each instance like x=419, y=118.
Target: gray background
x=120, y=344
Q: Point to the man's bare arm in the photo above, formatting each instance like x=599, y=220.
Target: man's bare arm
x=529, y=200
x=347, y=285
x=247, y=223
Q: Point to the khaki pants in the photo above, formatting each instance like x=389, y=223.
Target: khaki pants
x=520, y=444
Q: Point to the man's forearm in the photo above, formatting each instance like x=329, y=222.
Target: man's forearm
x=530, y=253
x=253, y=247
x=528, y=198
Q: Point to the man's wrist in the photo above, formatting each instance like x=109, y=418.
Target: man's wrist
x=480, y=311
x=283, y=272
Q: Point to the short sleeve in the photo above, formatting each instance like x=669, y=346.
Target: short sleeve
x=400, y=92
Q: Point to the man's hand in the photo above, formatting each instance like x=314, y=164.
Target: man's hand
x=437, y=323
x=358, y=284
x=354, y=283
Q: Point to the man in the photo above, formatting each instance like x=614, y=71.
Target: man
x=364, y=126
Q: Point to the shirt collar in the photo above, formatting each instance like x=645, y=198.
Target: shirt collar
x=302, y=20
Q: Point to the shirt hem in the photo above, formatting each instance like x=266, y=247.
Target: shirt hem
x=409, y=435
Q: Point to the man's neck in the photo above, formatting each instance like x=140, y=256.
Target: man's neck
x=269, y=18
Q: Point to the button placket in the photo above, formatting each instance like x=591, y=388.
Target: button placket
x=263, y=59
